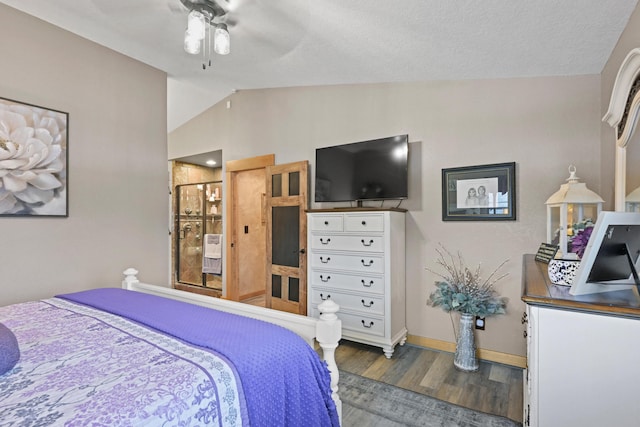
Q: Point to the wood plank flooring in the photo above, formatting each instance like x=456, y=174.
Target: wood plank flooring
x=494, y=388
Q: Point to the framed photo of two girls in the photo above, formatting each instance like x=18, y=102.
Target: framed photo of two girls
x=479, y=193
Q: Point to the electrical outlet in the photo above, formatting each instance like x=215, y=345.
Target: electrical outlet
x=480, y=323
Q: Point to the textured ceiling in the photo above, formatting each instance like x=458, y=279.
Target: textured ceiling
x=278, y=43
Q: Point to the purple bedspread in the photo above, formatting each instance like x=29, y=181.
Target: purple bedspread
x=283, y=380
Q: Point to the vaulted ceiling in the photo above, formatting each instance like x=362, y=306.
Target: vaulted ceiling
x=281, y=43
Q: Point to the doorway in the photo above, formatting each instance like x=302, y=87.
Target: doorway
x=246, y=229
x=192, y=219
x=266, y=228
x=198, y=234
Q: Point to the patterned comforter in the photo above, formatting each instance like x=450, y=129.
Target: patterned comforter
x=110, y=357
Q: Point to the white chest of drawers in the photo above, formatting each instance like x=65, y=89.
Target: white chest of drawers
x=357, y=258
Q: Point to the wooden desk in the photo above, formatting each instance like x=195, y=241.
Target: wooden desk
x=582, y=354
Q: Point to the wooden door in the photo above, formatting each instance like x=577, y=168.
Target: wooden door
x=246, y=227
x=286, y=204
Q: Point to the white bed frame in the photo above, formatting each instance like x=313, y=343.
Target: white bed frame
x=327, y=330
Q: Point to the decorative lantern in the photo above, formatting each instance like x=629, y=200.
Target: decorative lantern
x=572, y=203
x=632, y=201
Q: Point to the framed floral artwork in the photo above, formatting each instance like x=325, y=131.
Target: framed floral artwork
x=479, y=193
x=33, y=160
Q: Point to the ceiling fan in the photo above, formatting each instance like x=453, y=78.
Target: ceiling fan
x=262, y=30
x=205, y=16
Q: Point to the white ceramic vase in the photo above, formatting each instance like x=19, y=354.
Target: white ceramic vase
x=465, y=358
x=562, y=271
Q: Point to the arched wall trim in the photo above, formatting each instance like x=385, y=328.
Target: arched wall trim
x=622, y=115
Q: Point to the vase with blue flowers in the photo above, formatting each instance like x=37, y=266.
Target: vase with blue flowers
x=463, y=290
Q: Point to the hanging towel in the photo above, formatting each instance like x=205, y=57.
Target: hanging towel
x=212, y=257
x=213, y=245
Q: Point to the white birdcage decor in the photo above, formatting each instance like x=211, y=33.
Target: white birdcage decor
x=571, y=204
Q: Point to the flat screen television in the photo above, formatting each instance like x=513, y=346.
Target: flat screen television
x=610, y=261
x=366, y=170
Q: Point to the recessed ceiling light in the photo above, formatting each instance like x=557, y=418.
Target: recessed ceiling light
x=211, y=162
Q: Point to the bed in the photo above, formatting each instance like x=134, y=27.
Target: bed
x=150, y=355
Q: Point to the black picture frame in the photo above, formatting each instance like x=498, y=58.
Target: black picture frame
x=479, y=193
x=34, y=144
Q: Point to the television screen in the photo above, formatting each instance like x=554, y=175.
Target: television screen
x=367, y=170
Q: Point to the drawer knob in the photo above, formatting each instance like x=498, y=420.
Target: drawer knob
x=367, y=285
x=325, y=279
x=323, y=298
x=367, y=326
x=322, y=260
x=364, y=222
x=326, y=223
x=365, y=304
x=365, y=263
x=367, y=244
x=324, y=242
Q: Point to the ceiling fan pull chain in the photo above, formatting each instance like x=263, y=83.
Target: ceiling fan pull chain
x=209, y=36
x=204, y=43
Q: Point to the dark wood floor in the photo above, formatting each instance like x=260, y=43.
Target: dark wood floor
x=494, y=388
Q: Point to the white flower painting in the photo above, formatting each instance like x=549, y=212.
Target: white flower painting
x=33, y=160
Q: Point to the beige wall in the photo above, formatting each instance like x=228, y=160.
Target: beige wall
x=118, y=171
x=543, y=124
x=118, y=176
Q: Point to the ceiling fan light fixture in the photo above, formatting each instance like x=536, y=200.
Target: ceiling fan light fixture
x=191, y=44
x=206, y=17
x=221, y=40
x=196, y=24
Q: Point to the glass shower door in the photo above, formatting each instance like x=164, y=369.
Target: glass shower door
x=199, y=234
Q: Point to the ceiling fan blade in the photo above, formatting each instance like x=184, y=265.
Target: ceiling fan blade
x=118, y=8
x=266, y=30
x=176, y=6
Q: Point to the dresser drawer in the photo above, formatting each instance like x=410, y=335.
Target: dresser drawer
x=364, y=223
x=362, y=324
x=359, y=263
x=363, y=303
x=357, y=323
x=326, y=222
x=348, y=243
x=352, y=282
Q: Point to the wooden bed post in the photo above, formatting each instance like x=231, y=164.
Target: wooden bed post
x=328, y=334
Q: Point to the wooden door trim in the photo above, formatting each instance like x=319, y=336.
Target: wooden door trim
x=232, y=291
x=250, y=163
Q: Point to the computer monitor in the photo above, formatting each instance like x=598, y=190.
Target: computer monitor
x=610, y=261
